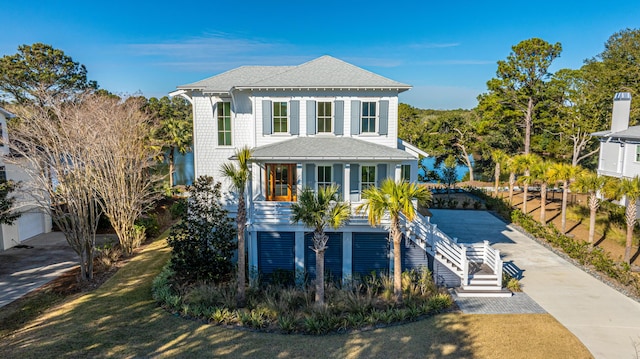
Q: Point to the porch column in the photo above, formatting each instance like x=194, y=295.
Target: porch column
x=347, y=256
x=298, y=178
x=253, y=256
x=397, y=176
x=346, y=182
x=299, y=257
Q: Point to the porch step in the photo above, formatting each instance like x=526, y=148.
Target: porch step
x=488, y=281
x=476, y=293
x=489, y=287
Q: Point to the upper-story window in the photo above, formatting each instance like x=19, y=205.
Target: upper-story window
x=368, y=177
x=325, y=117
x=224, y=123
x=637, y=153
x=280, y=117
x=368, y=117
x=324, y=176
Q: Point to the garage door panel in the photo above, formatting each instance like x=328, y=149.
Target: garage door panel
x=332, y=256
x=370, y=253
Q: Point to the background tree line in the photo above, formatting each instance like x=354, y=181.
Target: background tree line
x=528, y=109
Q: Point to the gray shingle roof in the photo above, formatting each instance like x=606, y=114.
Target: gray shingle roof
x=328, y=148
x=323, y=72
x=631, y=133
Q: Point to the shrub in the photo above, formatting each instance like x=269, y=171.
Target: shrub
x=466, y=203
x=202, y=243
x=179, y=208
x=107, y=255
x=149, y=225
x=292, y=310
x=452, y=203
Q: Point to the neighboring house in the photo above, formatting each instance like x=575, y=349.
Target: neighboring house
x=32, y=221
x=318, y=123
x=620, y=146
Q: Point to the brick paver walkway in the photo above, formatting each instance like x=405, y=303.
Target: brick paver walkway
x=519, y=303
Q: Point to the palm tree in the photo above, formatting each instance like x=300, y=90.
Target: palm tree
x=512, y=166
x=395, y=198
x=629, y=189
x=177, y=135
x=500, y=158
x=319, y=210
x=239, y=177
x=565, y=173
x=541, y=173
x=523, y=164
x=589, y=182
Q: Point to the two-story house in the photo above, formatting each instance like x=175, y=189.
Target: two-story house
x=620, y=145
x=33, y=220
x=322, y=122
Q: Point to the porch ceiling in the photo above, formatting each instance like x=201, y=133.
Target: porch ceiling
x=328, y=148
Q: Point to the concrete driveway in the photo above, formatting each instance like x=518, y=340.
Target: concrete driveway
x=45, y=257
x=605, y=320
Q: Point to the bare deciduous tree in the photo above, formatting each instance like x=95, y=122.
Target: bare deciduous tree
x=124, y=157
x=86, y=156
x=52, y=145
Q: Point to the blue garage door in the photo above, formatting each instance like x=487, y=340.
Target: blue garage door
x=370, y=253
x=275, y=252
x=414, y=257
x=332, y=256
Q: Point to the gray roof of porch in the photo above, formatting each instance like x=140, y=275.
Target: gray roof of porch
x=321, y=148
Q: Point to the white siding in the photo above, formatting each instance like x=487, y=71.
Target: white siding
x=610, y=158
x=631, y=168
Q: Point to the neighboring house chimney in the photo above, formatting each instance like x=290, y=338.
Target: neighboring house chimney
x=621, y=110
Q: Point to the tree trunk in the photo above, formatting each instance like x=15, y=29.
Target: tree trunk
x=497, y=180
x=525, y=197
x=543, y=203
x=565, y=194
x=594, y=203
x=527, y=126
x=320, y=278
x=171, y=166
x=397, y=259
x=512, y=181
x=630, y=214
x=241, y=219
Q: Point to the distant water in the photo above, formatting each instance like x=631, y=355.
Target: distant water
x=185, y=172
x=429, y=163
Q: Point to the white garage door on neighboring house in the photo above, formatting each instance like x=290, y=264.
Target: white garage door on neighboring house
x=30, y=224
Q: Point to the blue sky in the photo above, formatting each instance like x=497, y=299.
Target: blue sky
x=446, y=50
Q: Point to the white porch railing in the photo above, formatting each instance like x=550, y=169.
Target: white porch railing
x=273, y=212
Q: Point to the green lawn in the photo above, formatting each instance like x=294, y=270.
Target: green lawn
x=121, y=320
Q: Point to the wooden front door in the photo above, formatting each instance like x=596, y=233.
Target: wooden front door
x=281, y=179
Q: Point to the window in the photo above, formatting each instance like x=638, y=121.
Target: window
x=280, y=119
x=637, y=153
x=368, y=177
x=3, y=174
x=368, y=118
x=324, y=176
x=405, y=173
x=324, y=117
x=224, y=123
